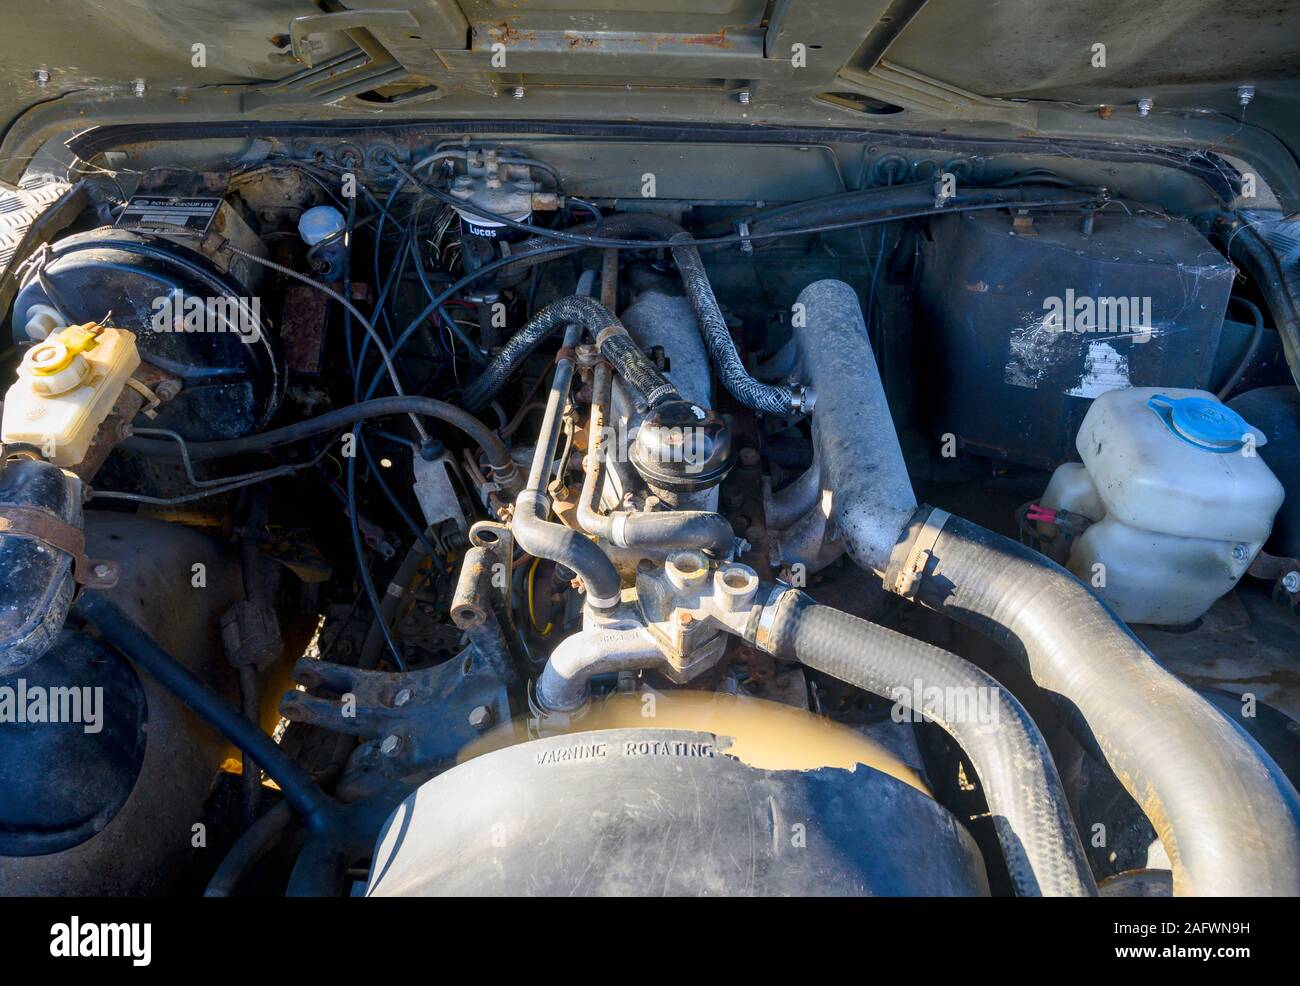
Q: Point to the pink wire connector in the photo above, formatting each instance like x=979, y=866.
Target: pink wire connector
x=1037, y=512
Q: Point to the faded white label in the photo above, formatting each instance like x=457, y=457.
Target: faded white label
x=1103, y=369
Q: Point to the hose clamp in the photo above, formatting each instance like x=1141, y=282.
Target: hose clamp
x=617, y=528
x=762, y=636
x=911, y=572
x=802, y=399
x=613, y=329
x=602, y=602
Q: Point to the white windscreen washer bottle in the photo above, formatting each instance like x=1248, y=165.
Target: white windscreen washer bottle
x=1180, y=501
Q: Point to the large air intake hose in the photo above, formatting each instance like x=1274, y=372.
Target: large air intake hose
x=1227, y=817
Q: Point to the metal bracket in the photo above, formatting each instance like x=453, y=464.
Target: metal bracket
x=35, y=523
x=302, y=28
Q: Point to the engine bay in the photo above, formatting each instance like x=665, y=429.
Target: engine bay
x=418, y=513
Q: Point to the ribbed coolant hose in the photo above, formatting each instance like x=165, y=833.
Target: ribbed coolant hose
x=632, y=364
x=1028, y=805
x=1228, y=818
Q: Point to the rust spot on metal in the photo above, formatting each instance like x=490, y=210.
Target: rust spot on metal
x=708, y=40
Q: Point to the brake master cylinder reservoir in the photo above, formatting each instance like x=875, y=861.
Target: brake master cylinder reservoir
x=67, y=385
x=1179, y=499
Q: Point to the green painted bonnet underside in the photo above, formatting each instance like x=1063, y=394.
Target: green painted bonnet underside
x=998, y=68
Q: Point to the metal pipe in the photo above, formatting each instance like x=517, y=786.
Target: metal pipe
x=565, y=683
x=857, y=447
x=535, y=534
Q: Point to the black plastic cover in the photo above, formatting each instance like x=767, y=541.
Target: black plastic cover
x=658, y=812
x=72, y=741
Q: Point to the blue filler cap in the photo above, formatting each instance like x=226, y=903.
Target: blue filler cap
x=1203, y=423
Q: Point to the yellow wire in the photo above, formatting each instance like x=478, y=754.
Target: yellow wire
x=532, y=614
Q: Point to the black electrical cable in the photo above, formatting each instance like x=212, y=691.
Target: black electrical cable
x=371, y=332
x=498, y=456
x=436, y=303
x=539, y=254
x=363, y=573
x=584, y=241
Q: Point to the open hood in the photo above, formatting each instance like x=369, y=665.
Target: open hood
x=1049, y=68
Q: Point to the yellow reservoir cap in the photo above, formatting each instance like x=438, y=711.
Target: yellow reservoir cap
x=57, y=352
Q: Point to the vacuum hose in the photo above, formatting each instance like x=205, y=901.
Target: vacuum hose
x=1030, y=814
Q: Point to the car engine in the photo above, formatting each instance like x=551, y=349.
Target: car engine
x=440, y=511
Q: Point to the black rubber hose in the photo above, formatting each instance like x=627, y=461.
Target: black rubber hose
x=256, y=841
x=632, y=364
x=1229, y=820
x=701, y=530
x=118, y=630
x=726, y=361
x=498, y=456
x=573, y=310
x=872, y=201
x=1026, y=800
x=564, y=545
x=336, y=833
x=1247, y=245
x=1233, y=379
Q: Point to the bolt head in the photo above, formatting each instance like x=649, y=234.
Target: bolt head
x=480, y=717
x=101, y=571
x=517, y=92
x=390, y=745
x=1245, y=94
x=42, y=77
x=1240, y=552
x=1144, y=106
x=1291, y=582
x=138, y=87
x=744, y=96
x=401, y=698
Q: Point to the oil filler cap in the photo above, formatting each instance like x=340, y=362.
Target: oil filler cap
x=1204, y=423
